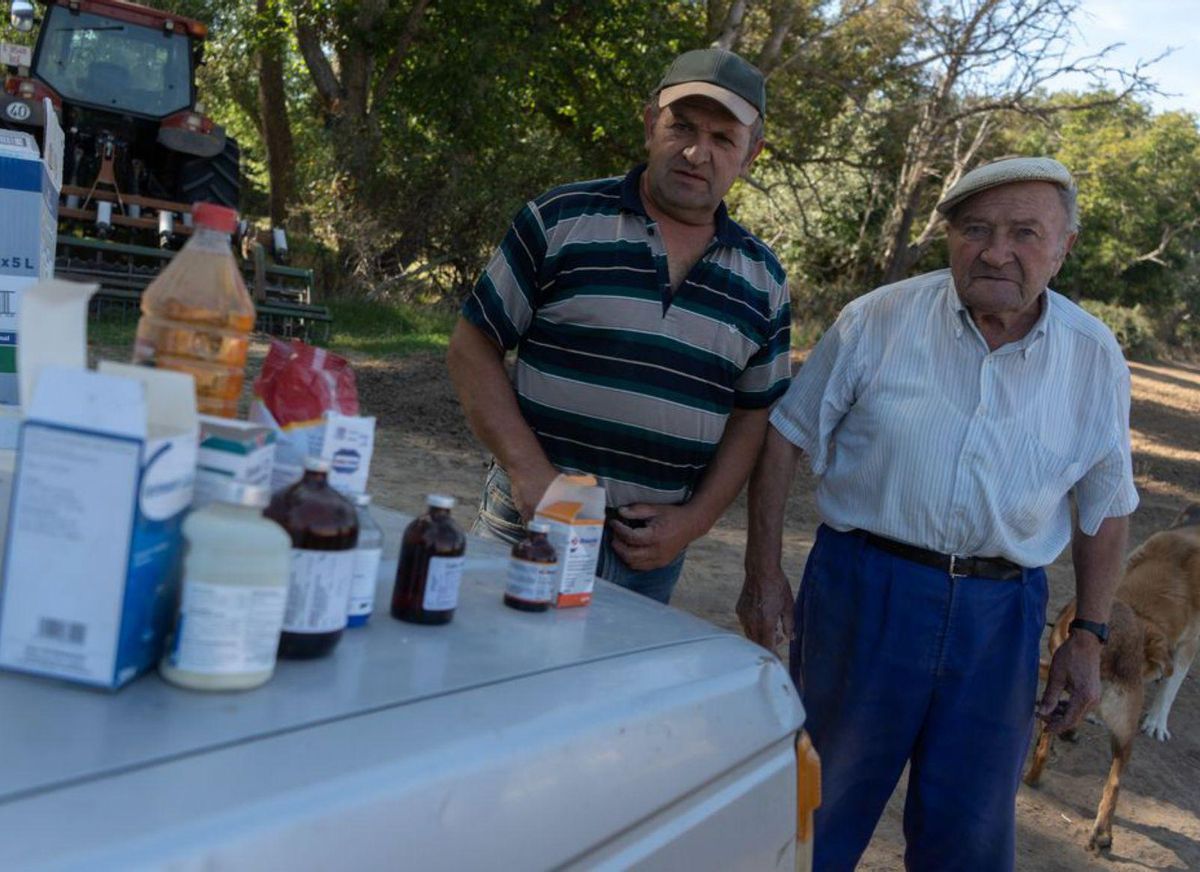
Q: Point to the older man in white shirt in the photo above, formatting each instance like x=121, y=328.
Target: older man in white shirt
x=949, y=418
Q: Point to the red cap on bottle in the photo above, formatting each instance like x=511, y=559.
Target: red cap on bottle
x=216, y=217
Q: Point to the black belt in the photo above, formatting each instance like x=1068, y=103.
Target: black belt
x=952, y=564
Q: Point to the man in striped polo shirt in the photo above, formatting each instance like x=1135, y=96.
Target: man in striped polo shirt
x=651, y=330
x=954, y=421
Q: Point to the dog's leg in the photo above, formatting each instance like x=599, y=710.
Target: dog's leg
x=1102, y=828
x=1155, y=722
x=1040, y=753
x=1119, y=709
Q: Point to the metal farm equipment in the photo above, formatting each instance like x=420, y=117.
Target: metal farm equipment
x=139, y=151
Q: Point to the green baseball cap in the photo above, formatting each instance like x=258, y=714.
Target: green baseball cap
x=718, y=75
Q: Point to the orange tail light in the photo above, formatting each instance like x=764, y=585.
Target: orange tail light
x=808, y=786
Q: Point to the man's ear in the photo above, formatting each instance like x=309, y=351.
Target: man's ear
x=755, y=151
x=1071, y=237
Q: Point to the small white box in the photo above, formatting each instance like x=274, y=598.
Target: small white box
x=348, y=444
x=232, y=451
x=346, y=441
x=573, y=506
x=102, y=484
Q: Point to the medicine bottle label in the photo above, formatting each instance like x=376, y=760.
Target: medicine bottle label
x=532, y=582
x=318, y=591
x=441, y=583
x=362, y=588
x=226, y=629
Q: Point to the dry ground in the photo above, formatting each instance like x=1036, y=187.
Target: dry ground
x=423, y=446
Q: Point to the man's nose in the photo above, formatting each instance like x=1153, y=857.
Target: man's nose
x=698, y=152
x=997, y=252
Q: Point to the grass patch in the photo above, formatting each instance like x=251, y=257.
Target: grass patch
x=389, y=330
x=377, y=329
x=112, y=330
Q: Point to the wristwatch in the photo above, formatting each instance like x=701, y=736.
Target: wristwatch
x=1099, y=630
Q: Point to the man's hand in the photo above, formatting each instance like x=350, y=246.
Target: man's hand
x=528, y=488
x=1075, y=669
x=765, y=607
x=667, y=531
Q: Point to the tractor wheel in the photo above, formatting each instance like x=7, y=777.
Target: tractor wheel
x=212, y=179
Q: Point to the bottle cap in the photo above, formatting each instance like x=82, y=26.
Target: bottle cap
x=362, y=499
x=316, y=464
x=538, y=527
x=241, y=494
x=440, y=501
x=219, y=218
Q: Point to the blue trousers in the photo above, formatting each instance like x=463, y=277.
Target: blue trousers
x=499, y=519
x=899, y=663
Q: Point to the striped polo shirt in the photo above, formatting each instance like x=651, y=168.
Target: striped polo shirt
x=918, y=432
x=616, y=375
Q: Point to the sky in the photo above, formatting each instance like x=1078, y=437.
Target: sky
x=1148, y=27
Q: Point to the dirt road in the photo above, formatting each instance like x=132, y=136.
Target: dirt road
x=423, y=446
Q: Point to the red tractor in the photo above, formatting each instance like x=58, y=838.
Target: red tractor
x=139, y=150
x=122, y=79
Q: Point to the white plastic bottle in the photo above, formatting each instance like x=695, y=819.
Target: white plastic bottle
x=235, y=585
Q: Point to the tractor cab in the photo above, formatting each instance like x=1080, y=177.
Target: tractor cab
x=106, y=64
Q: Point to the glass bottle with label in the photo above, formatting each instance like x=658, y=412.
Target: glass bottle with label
x=235, y=585
x=366, y=564
x=431, y=563
x=324, y=530
x=531, y=585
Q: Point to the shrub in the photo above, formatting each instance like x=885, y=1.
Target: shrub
x=1133, y=327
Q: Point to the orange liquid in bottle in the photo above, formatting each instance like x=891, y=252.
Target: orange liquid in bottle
x=197, y=316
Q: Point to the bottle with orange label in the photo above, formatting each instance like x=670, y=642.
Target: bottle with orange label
x=197, y=316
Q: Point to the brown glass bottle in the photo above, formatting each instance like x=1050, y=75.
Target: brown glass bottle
x=324, y=529
x=532, y=572
x=431, y=561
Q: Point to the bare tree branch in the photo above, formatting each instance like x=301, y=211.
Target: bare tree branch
x=319, y=67
x=400, y=50
x=731, y=29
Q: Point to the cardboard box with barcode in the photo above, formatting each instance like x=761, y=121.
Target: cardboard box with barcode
x=102, y=483
x=573, y=506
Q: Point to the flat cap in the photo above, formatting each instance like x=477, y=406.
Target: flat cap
x=1006, y=172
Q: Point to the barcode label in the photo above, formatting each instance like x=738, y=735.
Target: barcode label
x=62, y=631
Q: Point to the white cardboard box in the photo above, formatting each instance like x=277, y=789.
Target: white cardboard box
x=29, y=186
x=346, y=441
x=102, y=483
x=573, y=506
x=232, y=451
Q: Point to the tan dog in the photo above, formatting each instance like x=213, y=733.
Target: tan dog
x=1154, y=631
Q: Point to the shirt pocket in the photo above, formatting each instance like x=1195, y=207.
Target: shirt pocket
x=1032, y=486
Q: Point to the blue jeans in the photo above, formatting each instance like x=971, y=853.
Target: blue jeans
x=499, y=519
x=900, y=663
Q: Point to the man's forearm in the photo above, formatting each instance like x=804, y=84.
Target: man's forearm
x=730, y=466
x=476, y=367
x=1098, y=561
x=769, y=485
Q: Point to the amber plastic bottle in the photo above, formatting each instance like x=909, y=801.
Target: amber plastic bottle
x=323, y=525
x=197, y=316
x=431, y=562
x=532, y=572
